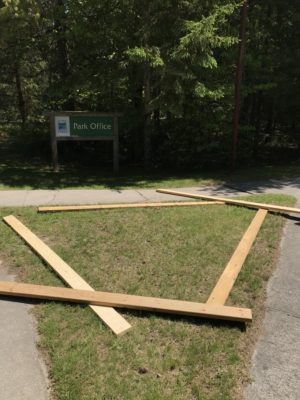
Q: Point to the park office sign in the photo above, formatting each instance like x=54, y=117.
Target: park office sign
x=68, y=125
x=83, y=126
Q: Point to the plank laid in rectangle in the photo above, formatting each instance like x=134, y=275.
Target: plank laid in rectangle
x=126, y=301
x=109, y=316
x=243, y=203
x=129, y=205
x=224, y=285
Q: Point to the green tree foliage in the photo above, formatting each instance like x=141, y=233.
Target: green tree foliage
x=167, y=65
x=19, y=59
x=271, y=107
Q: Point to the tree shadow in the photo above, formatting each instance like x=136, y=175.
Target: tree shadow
x=24, y=171
x=22, y=175
x=250, y=187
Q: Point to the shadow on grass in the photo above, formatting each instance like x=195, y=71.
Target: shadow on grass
x=216, y=323
x=19, y=171
x=212, y=322
x=41, y=176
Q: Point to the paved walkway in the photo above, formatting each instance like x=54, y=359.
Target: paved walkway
x=276, y=361
x=23, y=374
x=24, y=198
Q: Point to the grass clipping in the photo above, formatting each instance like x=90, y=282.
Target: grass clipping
x=171, y=253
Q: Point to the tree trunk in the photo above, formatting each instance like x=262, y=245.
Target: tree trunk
x=63, y=60
x=20, y=95
x=147, y=118
x=136, y=141
x=257, y=125
x=238, y=82
x=270, y=121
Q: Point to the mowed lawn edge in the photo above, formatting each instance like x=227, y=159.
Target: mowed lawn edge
x=175, y=253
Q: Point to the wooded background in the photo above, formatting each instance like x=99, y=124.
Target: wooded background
x=168, y=65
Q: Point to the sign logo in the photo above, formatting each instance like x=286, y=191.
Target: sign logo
x=62, y=126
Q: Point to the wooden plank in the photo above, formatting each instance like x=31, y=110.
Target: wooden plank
x=126, y=301
x=128, y=205
x=224, y=285
x=250, y=204
x=109, y=316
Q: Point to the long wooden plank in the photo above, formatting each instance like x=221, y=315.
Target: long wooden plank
x=129, y=205
x=250, y=204
x=126, y=301
x=226, y=281
x=109, y=316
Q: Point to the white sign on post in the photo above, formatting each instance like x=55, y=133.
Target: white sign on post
x=62, y=126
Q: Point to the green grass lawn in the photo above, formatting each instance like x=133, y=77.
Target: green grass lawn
x=173, y=253
x=20, y=170
x=42, y=176
x=26, y=166
x=26, y=175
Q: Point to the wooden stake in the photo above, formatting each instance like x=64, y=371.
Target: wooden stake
x=109, y=316
x=243, y=203
x=53, y=143
x=126, y=301
x=129, y=205
x=222, y=289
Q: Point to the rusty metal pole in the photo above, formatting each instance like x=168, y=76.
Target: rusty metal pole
x=238, y=81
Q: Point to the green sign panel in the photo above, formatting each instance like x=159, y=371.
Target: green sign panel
x=80, y=125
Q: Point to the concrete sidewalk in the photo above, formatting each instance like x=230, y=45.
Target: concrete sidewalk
x=24, y=198
x=276, y=360
x=23, y=374
x=275, y=369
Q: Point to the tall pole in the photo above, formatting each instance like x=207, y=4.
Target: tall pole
x=238, y=82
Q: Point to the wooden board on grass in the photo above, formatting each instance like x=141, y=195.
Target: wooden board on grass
x=109, y=316
x=226, y=281
x=126, y=301
x=129, y=205
x=244, y=203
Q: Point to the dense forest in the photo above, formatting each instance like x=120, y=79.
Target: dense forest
x=168, y=65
